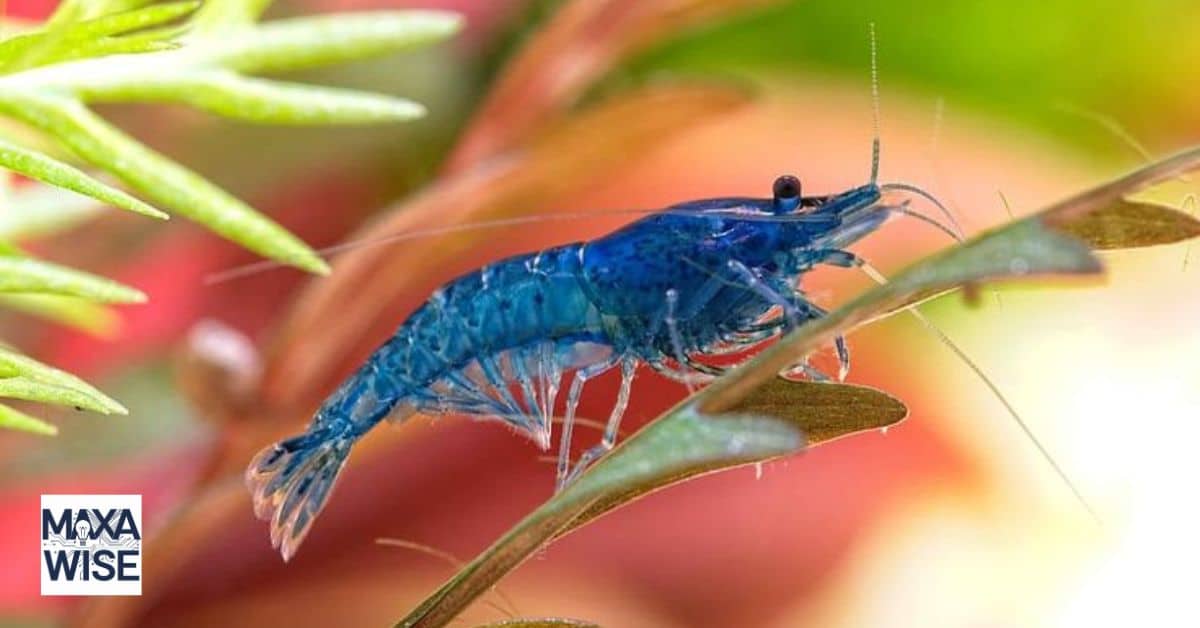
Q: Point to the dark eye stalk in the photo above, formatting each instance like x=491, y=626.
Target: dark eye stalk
x=787, y=188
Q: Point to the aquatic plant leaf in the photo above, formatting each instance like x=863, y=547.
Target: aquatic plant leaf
x=205, y=73
x=41, y=167
x=31, y=276
x=19, y=421
x=1063, y=213
x=312, y=41
x=159, y=178
x=275, y=102
x=707, y=432
x=580, y=43
x=60, y=42
x=27, y=389
x=1129, y=224
x=821, y=412
x=14, y=364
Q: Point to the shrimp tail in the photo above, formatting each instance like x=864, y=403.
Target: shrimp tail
x=291, y=480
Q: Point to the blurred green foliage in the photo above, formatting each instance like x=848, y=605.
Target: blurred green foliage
x=1022, y=60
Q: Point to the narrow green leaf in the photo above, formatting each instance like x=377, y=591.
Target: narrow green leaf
x=159, y=178
x=326, y=39
x=32, y=276
x=115, y=46
x=97, y=320
x=33, y=390
x=15, y=420
x=13, y=362
x=59, y=42
x=1131, y=224
x=256, y=100
x=43, y=168
x=137, y=19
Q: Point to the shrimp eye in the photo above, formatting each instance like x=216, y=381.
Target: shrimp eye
x=787, y=187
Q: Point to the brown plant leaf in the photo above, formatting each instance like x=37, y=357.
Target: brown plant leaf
x=580, y=43
x=821, y=412
x=1130, y=224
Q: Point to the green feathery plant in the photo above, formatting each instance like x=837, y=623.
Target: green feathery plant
x=111, y=51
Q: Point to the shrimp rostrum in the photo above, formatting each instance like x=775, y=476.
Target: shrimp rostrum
x=668, y=291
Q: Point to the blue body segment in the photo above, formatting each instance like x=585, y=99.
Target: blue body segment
x=699, y=278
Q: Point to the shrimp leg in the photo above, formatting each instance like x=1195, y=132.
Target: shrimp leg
x=677, y=339
x=580, y=378
x=612, y=428
x=782, y=294
x=775, y=291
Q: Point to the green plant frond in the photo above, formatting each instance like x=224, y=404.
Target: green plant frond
x=135, y=20
x=27, y=389
x=166, y=182
x=17, y=365
x=31, y=276
x=118, y=46
x=306, y=42
x=256, y=100
x=41, y=167
x=59, y=42
x=203, y=73
x=14, y=420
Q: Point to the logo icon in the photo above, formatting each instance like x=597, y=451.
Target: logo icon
x=91, y=544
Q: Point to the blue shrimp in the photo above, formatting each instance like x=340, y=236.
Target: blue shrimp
x=698, y=279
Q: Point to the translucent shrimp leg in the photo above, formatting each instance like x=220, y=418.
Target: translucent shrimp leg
x=612, y=428
x=676, y=339
x=580, y=378
x=782, y=294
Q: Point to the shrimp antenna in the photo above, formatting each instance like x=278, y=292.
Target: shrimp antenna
x=874, y=105
x=905, y=211
x=908, y=187
x=950, y=344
